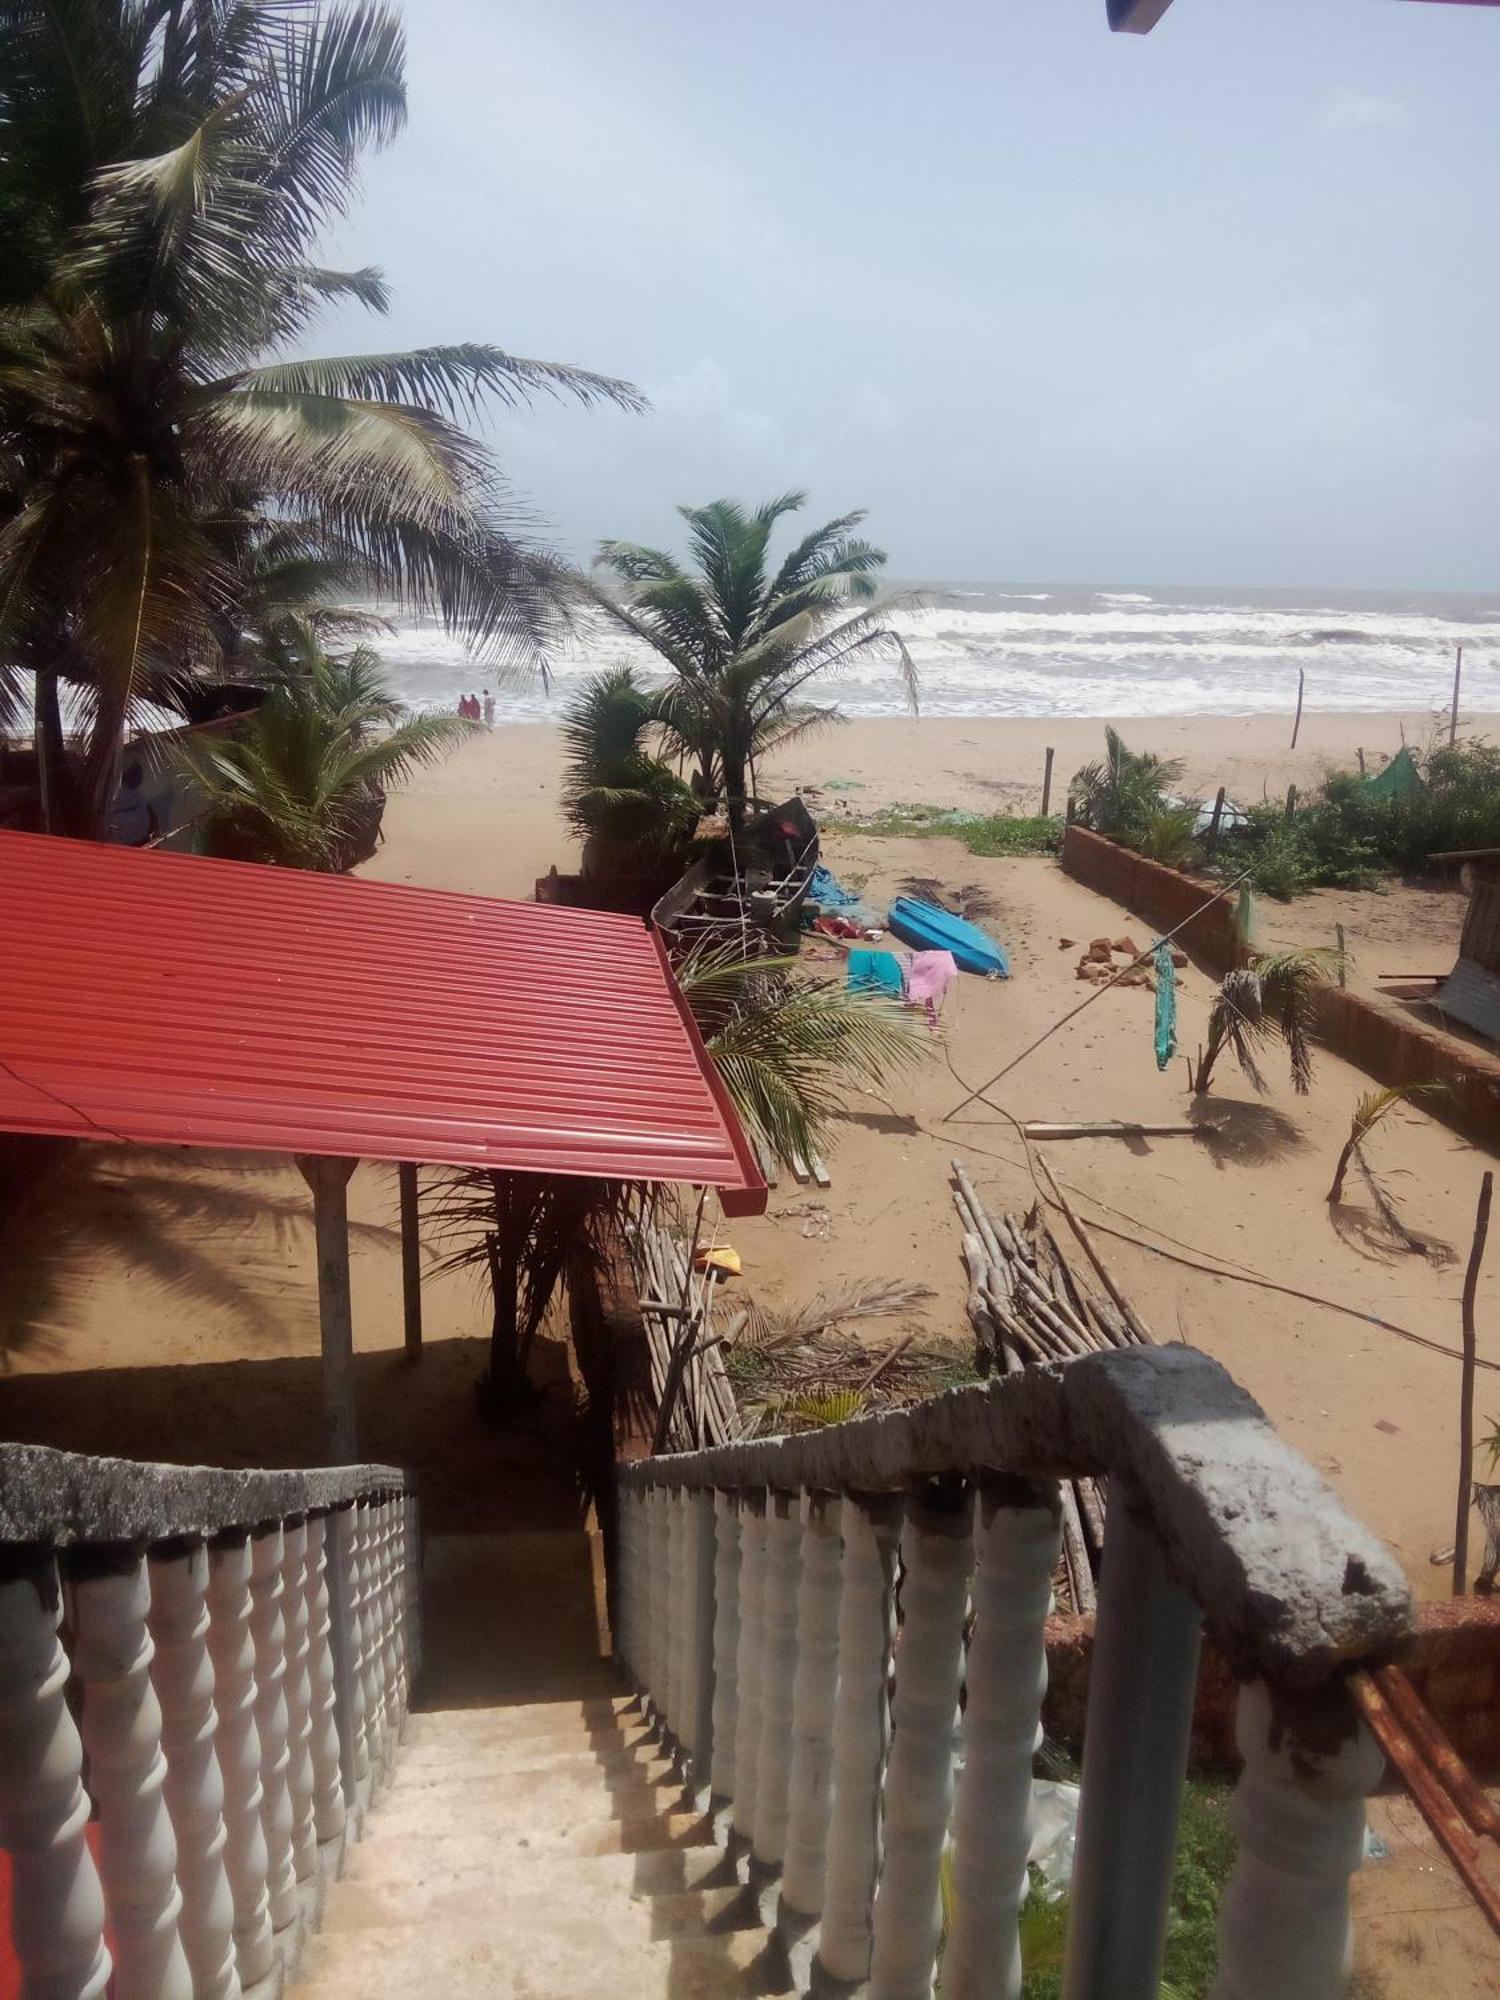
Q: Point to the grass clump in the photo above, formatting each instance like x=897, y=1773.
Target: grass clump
x=1205, y=1855
x=988, y=834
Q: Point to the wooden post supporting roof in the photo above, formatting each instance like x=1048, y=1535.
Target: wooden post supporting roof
x=411, y=1259
x=329, y=1181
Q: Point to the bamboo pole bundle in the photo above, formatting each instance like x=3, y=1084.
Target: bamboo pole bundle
x=1033, y=1304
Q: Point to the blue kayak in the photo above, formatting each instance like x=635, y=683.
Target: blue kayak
x=925, y=927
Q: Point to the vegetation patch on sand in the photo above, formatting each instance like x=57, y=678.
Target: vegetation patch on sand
x=988, y=834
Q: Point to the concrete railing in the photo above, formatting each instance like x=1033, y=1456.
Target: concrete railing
x=203, y=1675
x=817, y=1624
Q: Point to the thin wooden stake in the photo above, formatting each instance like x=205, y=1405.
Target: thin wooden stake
x=1297, y=724
x=1047, y=782
x=1213, y=824
x=1361, y=756
x=1291, y=800
x=1338, y=931
x=1466, y=1392
x=1458, y=668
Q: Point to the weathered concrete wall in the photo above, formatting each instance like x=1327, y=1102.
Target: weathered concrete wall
x=1382, y=1038
x=1453, y=1661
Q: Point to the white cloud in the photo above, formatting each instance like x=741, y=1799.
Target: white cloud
x=1362, y=111
x=874, y=411
x=703, y=402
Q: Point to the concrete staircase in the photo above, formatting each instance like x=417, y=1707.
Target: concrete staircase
x=534, y=1847
x=541, y=1851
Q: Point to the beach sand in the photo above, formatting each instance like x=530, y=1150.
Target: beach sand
x=110, y=1353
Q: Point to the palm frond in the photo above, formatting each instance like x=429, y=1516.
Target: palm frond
x=789, y=1049
x=456, y=380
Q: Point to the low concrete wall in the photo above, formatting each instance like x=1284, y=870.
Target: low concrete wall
x=1454, y=1663
x=1162, y=895
x=1380, y=1037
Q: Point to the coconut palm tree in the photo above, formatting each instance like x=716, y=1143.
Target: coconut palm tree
x=302, y=782
x=743, y=640
x=168, y=168
x=1121, y=794
x=1270, y=999
x=790, y=1048
x=629, y=808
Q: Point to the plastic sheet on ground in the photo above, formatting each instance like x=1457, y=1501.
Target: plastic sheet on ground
x=1054, y=1832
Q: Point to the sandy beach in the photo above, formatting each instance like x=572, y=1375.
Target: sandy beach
x=135, y=1303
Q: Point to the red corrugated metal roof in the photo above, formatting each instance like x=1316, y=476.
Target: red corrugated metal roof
x=168, y=1000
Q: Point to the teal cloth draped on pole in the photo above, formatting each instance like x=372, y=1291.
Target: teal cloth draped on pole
x=1166, y=1004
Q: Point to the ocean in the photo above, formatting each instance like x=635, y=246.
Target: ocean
x=991, y=649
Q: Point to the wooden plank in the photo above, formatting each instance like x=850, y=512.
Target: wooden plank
x=820, y=1173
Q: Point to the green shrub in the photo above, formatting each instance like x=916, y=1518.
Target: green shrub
x=1122, y=794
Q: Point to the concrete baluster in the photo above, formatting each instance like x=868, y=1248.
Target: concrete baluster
x=399, y=1563
x=341, y=1551
x=371, y=1648
x=870, y=1525
x=231, y=1646
x=809, y=1789
x=1140, y=1717
x=626, y=1632
x=704, y=1544
x=183, y=1676
x=937, y=1552
x=1299, y=1814
x=412, y=1551
x=300, y=1779
x=268, y=1624
x=660, y=1562
x=109, y=1594
x=677, y=1600
x=322, y=1731
x=778, y=1672
x=390, y=1655
x=1016, y=1548
x=747, y=1727
x=726, y=1642
x=56, y=1903
x=684, y=1605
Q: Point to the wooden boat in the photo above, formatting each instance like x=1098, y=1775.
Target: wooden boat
x=926, y=927
x=751, y=885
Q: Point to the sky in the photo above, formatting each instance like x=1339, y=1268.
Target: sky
x=1216, y=305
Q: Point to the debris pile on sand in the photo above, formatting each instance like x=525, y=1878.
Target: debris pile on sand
x=1114, y=958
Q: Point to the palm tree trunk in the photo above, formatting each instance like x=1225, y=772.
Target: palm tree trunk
x=1335, y=1193
x=51, y=753
x=99, y=777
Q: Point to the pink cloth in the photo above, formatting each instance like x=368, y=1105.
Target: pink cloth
x=931, y=974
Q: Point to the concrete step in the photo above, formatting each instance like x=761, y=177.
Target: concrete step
x=584, y=1827
x=474, y=1962
x=567, y=1902
x=467, y=1860
x=517, y=1801
x=491, y=1766
x=547, y=1725
x=532, y=1752
x=608, y=1706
